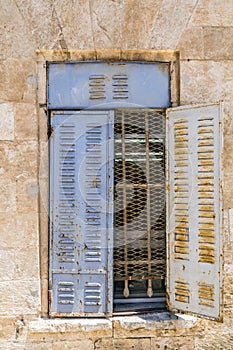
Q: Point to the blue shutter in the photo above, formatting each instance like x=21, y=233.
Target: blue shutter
x=194, y=213
x=81, y=181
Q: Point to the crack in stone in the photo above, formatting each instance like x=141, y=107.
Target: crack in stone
x=187, y=23
x=92, y=29
x=61, y=37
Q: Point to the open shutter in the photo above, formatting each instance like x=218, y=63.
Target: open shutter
x=194, y=209
x=81, y=181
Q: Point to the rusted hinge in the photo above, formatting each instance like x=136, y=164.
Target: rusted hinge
x=50, y=131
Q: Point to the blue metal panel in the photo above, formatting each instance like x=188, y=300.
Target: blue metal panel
x=81, y=184
x=194, y=209
x=109, y=85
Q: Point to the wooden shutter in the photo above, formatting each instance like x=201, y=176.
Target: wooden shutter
x=81, y=181
x=194, y=209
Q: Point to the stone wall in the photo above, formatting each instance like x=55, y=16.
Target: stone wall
x=201, y=31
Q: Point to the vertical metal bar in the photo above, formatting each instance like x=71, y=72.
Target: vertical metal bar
x=110, y=179
x=126, y=288
x=149, y=289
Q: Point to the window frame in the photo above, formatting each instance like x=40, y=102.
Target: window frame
x=45, y=56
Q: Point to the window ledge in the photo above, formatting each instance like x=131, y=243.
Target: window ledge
x=122, y=325
x=163, y=320
x=43, y=325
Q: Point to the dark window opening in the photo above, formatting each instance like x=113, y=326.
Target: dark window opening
x=139, y=257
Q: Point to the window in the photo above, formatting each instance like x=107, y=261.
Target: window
x=114, y=221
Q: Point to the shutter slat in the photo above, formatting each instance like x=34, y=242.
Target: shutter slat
x=81, y=183
x=194, y=209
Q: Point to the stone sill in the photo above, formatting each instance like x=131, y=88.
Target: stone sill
x=148, y=322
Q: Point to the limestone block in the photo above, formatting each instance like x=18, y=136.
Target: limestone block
x=231, y=227
x=44, y=296
x=170, y=21
x=69, y=329
x=228, y=155
x=191, y=44
x=19, y=297
x=8, y=230
x=19, y=264
x=123, y=344
x=27, y=196
x=18, y=39
x=132, y=25
x=201, y=82
x=27, y=229
x=227, y=118
x=172, y=343
x=27, y=152
x=64, y=345
x=6, y=122
x=42, y=22
x=215, y=340
x=72, y=16
x=18, y=80
x=213, y=13
x=218, y=42
x=43, y=125
x=7, y=196
x=153, y=325
x=12, y=345
x=18, y=230
x=7, y=329
x=26, y=127
x=9, y=159
x=228, y=191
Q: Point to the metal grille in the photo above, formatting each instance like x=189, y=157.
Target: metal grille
x=139, y=197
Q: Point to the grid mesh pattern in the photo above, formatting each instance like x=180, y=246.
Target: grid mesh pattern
x=139, y=195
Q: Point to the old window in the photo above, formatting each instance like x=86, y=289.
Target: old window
x=112, y=216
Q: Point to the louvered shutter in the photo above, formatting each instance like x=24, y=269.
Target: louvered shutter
x=81, y=181
x=194, y=209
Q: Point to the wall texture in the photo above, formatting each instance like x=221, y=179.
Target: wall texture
x=202, y=31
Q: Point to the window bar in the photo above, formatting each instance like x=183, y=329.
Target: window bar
x=126, y=286
x=149, y=290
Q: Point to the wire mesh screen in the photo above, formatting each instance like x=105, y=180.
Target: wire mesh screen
x=139, y=197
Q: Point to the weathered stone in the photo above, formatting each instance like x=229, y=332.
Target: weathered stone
x=6, y=121
x=18, y=87
x=153, y=325
x=213, y=13
x=19, y=41
x=170, y=22
x=218, y=43
x=7, y=196
x=75, y=13
x=191, y=44
x=26, y=263
x=64, y=345
x=26, y=126
x=27, y=165
x=27, y=196
x=19, y=297
x=207, y=84
x=123, y=344
x=59, y=329
x=9, y=159
x=173, y=343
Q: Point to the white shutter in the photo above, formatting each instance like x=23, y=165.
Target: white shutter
x=194, y=211
x=81, y=182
